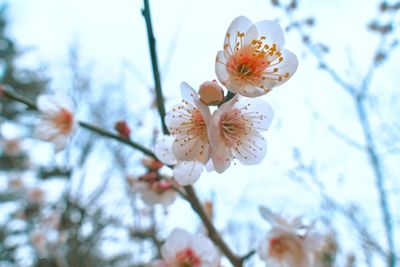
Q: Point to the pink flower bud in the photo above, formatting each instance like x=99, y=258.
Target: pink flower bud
x=211, y=93
x=122, y=128
x=152, y=164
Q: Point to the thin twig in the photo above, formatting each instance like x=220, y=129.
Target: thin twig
x=154, y=64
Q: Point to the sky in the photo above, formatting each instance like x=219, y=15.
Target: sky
x=111, y=35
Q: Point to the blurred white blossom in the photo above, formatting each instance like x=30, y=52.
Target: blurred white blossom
x=58, y=122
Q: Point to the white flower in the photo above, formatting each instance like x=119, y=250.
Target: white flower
x=187, y=124
x=183, y=249
x=153, y=190
x=58, y=122
x=184, y=172
x=284, y=245
x=234, y=132
x=253, y=61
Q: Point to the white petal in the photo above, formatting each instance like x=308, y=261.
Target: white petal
x=51, y=104
x=64, y=101
x=163, y=150
x=203, y=109
x=167, y=198
x=178, y=240
x=205, y=249
x=240, y=24
x=187, y=147
x=262, y=249
x=252, y=149
x=188, y=93
x=60, y=142
x=45, y=130
x=47, y=104
x=288, y=65
x=245, y=89
x=272, y=31
x=258, y=111
x=220, y=68
x=187, y=172
x=222, y=157
x=149, y=197
x=178, y=115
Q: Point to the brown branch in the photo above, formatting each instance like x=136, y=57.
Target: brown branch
x=212, y=232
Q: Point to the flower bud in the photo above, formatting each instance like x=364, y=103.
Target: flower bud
x=211, y=93
x=122, y=128
x=152, y=164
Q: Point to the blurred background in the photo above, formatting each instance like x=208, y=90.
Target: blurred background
x=333, y=147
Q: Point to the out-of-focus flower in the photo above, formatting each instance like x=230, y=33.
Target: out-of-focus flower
x=122, y=128
x=187, y=124
x=284, y=245
x=35, y=196
x=211, y=93
x=39, y=242
x=253, y=61
x=58, y=122
x=184, y=172
x=153, y=190
x=183, y=249
x=12, y=147
x=152, y=164
x=234, y=132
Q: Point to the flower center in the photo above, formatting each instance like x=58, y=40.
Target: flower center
x=159, y=187
x=63, y=121
x=188, y=258
x=254, y=61
x=233, y=127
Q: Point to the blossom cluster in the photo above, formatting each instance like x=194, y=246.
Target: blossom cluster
x=208, y=130
x=251, y=63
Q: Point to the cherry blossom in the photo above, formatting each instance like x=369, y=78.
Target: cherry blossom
x=253, y=60
x=183, y=249
x=184, y=172
x=58, y=122
x=154, y=190
x=187, y=124
x=284, y=245
x=234, y=132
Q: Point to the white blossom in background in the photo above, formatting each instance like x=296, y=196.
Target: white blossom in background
x=57, y=123
x=153, y=190
x=283, y=245
x=184, y=172
x=235, y=132
x=183, y=249
x=186, y=122
x=253, y=61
